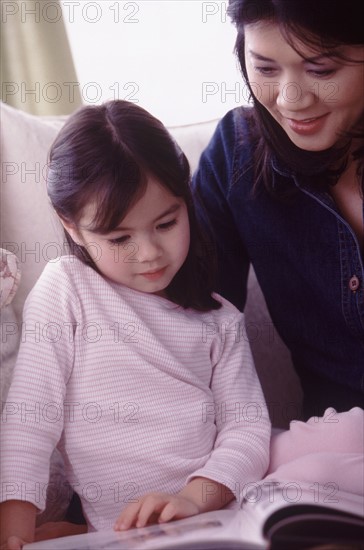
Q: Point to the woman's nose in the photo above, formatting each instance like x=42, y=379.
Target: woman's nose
x=294, y=96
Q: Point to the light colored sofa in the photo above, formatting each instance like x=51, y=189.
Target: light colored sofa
x=30, y=230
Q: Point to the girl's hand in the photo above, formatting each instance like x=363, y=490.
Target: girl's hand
x=155, y=508
x=55, y=529
x=13, y=543
x=17, y=524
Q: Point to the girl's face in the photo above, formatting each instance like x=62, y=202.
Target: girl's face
x=149, y=246
x=314, y=98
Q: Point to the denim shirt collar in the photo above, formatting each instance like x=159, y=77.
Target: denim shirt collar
x=323, y=197
x=281, y=169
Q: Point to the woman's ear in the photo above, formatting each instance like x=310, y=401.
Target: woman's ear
x=72, y=230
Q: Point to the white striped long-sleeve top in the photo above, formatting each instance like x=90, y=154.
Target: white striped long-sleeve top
x=138, y=393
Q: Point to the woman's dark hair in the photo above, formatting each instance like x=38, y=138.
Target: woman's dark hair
x=322, y=25
x=105, y=154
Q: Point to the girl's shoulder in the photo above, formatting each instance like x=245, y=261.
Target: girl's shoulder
x=67, y=267
x=56, y=288
x=228, y=313
x=61, y=277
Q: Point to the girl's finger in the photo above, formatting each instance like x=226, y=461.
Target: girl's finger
x=127, y=517
x=152, y=504
x=14, y=543
x=168, y=512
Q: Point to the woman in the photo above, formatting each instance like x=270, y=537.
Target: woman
x=281, y=186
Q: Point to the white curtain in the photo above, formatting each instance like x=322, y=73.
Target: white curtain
x=37, y=70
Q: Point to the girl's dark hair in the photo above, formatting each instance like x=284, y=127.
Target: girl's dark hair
x=105, y=154
x=322, y=25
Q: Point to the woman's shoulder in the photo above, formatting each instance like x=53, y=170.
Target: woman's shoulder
x=231, y=148
x=238, y=123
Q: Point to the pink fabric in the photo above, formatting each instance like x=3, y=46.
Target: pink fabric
x=139, y=394
x=329, y=449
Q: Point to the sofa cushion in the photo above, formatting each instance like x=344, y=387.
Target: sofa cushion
x=9, y=277
x=27, y=224
x=9, y=333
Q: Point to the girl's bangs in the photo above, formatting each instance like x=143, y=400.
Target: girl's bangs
x=114, y=194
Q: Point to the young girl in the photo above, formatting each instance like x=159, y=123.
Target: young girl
x=282, y=183
x=129, y=364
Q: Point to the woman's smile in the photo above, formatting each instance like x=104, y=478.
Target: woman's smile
x=307, y=126
x=316, y=97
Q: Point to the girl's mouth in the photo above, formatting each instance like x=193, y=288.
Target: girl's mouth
x=153, y=275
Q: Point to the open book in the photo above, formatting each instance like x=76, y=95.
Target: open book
x=273, y=514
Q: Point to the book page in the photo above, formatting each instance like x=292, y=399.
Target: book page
x=209, y=531
x=316, y=529
x=267, y=499
x=243, y=529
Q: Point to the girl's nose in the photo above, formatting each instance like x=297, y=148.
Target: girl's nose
x=149, y=250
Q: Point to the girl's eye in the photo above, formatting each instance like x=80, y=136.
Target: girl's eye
x=119, y=240
x=167, y=225
x=322, y=73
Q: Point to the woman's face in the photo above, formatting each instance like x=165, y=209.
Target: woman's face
x=315, y=97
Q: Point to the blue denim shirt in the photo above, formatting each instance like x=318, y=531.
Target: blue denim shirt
x=306, y=257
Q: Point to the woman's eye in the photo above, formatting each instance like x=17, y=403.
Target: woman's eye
x=266, y=71
x=167, y=225
x=119, y=240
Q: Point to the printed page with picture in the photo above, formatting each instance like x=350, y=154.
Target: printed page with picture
x=273, y=514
